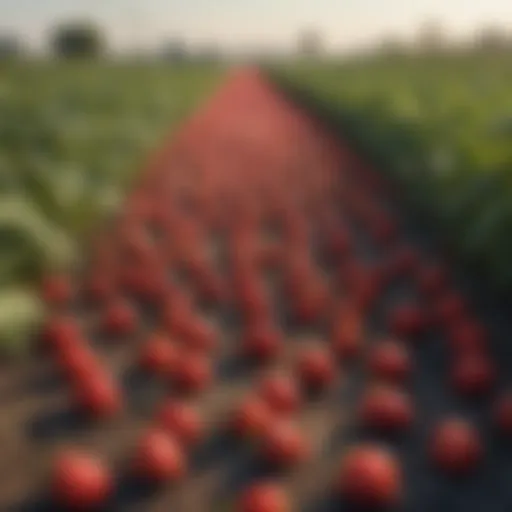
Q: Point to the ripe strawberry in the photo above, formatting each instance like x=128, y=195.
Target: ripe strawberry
x=263, y=497
x=159, y=458
x=119, y=318
x=347, y=334
x=386, y=409
x=280, y=392
x=407, y=320
x=62, y=332
x=404, y=261
x=193, y=373
x=284, y=446
x=181, y=420
x=431, y=279
x=455, y=446
x=99, y=288
x=467, y=336
x=57, y=289
x=97, y=395
x=389, y=361
x=473, y=375
x=450, y=308
x=262, y=343
x=370, y=476
x=199, y=335
x=80, y=481
x=158, y=355
x=251, y=418
x=78, y=363
x=502, y=414
x=316, y=368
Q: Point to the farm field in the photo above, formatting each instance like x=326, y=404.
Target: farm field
x=72, y=137
x=441, y=127
x=261, y=328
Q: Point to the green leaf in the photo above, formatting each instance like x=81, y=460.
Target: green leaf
x=50, y=244
x=21, y=314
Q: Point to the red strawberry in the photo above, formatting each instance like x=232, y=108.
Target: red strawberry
x=57, y=290
x=347, y=335
x=199, y=335
x=467, y=336
x=431, y=279
x=193, y=373
x=78, y=363
x=310, y=303
x=119, y=318
x=263, y=497
x=390, y=361
x=455, y=446
x=407, y=320
x=404, y=261
x=99, y=288
x=80, y=481
x=159, y=458
x=502, y=414
x=98, y=396
x=158, y=355
x=473, y=375
x=61, y=333
x=370, y=476
x=251, y=418
x=181, y=420
x=262, y=343
x=283, y=445
x=386, y=409
x=450, y=308
x=280, y=392
x=316, y=368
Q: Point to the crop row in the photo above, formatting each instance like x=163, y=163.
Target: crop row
x=72, y=137
x=256, y=297
x=441, y=127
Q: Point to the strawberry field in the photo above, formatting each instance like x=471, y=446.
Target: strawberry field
x=258, y=326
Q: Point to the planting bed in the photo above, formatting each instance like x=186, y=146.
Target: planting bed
x=259, y=325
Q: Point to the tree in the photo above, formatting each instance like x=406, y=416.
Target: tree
x=391, y=46
x=493, y=38
x=78, y=39
x=209, y=53
x=431, y=37
x=175, y=50
x=10, y=47
x=310, y=43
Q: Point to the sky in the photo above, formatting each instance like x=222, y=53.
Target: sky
x=345, y=24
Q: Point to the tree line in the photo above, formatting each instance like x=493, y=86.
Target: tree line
x=83, y=39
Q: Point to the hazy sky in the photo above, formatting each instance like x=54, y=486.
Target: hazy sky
x=344, y=23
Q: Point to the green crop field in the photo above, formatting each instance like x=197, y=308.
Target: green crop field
x=72, y=135
x=440, y=125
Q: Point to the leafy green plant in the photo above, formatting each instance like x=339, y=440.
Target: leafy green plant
x=72, y=137
x=438, y=124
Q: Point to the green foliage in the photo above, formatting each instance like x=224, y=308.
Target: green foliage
x=21, y=314
x=78, y=39
x=72, y=137
x=442, y=125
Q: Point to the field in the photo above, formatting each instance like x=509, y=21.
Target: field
x=441, y=127
x=261, y=329
x=71, y=138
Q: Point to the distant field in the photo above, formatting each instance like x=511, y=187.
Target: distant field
x=71, y=138
x=442, y=126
